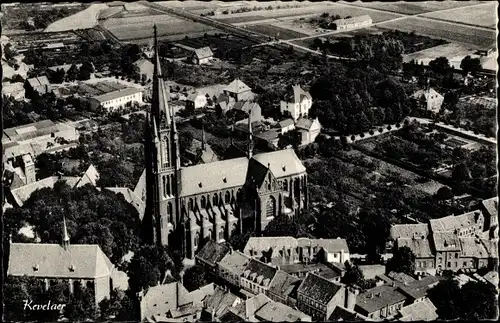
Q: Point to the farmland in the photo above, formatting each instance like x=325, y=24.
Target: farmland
x=274, y=31
x=414, y=8
x=226, y=43
x=82, y=20
x=142, y=27
x=483, y=16
x=479, y=38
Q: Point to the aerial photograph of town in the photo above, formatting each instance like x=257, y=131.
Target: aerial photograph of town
x=249, y=161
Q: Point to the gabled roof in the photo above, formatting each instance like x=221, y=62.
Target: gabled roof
x=420, y=247
x=204, y=52
x=213, y=252
x=417, y=288
x=259, y=272
x=426, y=94
x=142, y=63
x=277, y=312
x=491, y=206
x=409, y=231
x=341, y=313
x=286, y=123
x=256, y=173
x=283, y=284
x=23, y=193
x=130, y=197
x=451, y=222
x=282, y=162
x=420, y=311
x=478, y=248
x=379, y=297
x=318, y=288
x=245, y=106
x=220, y=301
x=237, y=87
x=52, y=261
x=91, y=176
x=446, y=241
x=401, y=277
x=306, y=124
x=235, y=262
x=296, y=94
x=38, y=81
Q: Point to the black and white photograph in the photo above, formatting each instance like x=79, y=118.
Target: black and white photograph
x=249, y=161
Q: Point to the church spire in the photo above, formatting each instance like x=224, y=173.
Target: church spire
x=159, y=107
x=157, y=70
x=65, y=236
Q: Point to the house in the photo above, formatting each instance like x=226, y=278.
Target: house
x=117, y=99
x=278, y=312
x=286, y=125
x=283, y=288
x=428, y=100
x=224, y=102
x=372, y=271
x=173, y=302
x=199, y=152
x=308, y=130
x=238, y=91
x=78, y=265
x=351, y=23
x=281, y=250
x=15, y=90
x=219, y=303
x=328, y=272
x=195, y=100
x=381, y=302
x=341, y=313
x=257, y=276
x=248, y=109
x=296, y=103
x=202, y=56
x=421, y=311
x=145, y=67
x=318, y=297
x=231, y=267
x=268, y=139
x=39, y=84
x=9, y=71
x=210, y=255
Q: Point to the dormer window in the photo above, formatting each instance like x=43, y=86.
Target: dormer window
x=200, y=185
x=35, y=267
x=224, y=180
x=72, y=268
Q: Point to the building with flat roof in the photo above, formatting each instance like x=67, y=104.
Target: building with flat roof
x=116, y=99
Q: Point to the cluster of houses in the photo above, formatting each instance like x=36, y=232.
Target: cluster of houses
x=465, y=242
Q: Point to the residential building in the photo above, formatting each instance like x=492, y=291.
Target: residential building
x=238, y=91
x=210, y=255
x=328, y=272
x=286, y=125
x=452, y=242
x=248, y=109
x=202, y=56
x=224, y=102
x=283, y=288
x=288, y=250
x=341, y=313
x=269, y=139
x=257, y=277
x=318, y=297
x=116, y=99
x=36, y=138
x=15, y=90
x=308, y=130
x=354, y=22
x=79, y=265
x=199, y=152
x=218, y=304
x=39, y=84
x=217, y=199
x=196, y=100
x=278, y=312
x=9, y=71
x=421, y=311
x=297, y=103
x=172, y=302
x=381, y=302
x=145, y=67
x=231, y=267
x=428, y=99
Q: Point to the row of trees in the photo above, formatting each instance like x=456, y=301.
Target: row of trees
x=74, y=73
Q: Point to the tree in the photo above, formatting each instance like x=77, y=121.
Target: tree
x=444, y=193
x=194, y=278
x=81, y=305
x=461, y=173
x=440, y=65
x=353, y=274
x=403, y=261
x=148, y=267
x=444, y=297
x=470, y=65
x=85, y=71
x=72, y=73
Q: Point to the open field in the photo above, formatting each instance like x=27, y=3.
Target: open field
x=82, y=20
x=274, y=31
x=142, y=27
x=415, y=7
x=454, y=52
x=484, y=16
x=479, y=38
x=229, y=43
x=141, y=13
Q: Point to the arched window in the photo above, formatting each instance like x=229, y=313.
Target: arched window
x=170, y=213
x=166, y=152
x=271, y=207
x=190, y=205
x=203, y=202
x=196, y=239
x=164, y=186
x=221, y=233
x=172, y=184
x=161, y=222
x=227, y=197
x=168, y=185
x=285, y=185
x=215, y=199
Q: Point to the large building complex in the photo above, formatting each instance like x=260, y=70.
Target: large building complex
x=212, y=200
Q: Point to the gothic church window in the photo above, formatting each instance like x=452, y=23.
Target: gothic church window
x=227, y=197
x=170, y=212
x=164, y=186
x=285, y=185
x=203, y=201
x=168, y=186
x=271, y=207
x=215, y=200
x=190, y=205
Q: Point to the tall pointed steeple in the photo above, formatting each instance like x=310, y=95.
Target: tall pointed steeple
x=159, y=107
x=65, y=236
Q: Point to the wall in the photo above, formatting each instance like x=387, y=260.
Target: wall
x=102, y=288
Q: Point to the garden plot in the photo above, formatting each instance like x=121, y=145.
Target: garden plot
x=412, y=8
x=483, y=15
x=81, y=20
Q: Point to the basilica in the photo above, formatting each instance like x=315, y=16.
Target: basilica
x=187, y=205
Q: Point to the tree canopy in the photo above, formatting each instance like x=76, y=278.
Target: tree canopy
x=470, y=65
x=403, y=261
